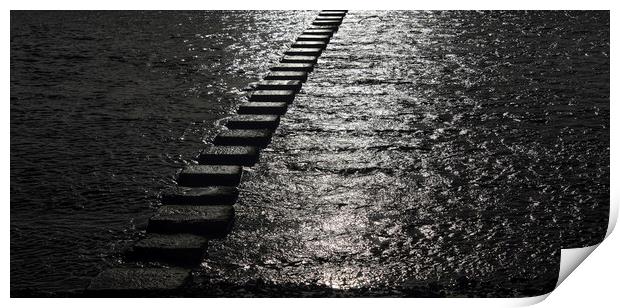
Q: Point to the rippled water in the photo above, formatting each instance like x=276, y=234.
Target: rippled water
x=105, y=106
x=432, y=154
x=429, y=154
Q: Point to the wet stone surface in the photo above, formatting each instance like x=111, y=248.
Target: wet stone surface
x=429, y=154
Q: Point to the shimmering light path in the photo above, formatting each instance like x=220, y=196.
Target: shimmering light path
x=427, y=156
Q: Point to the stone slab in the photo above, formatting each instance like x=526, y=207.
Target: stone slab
x=300, y=67
x=228, y=155
x=330, y=17
x=134, y=282
x=319, y=31
x=212, y=221
x=323, y=27
x=326, y=23
x=314, y=37
x=245, y=137
x=177, y=248
x=303, y=52
x=299, y=59
x=278, y=108
x=211, y=195
x=293, y=85
x=333, y=13
x=287, y=75
x=309, y=44
x=246, y=121
x=210, y=175
x=272, y=96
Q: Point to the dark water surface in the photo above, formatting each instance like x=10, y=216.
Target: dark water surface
x=105, y=107
x=429, y=154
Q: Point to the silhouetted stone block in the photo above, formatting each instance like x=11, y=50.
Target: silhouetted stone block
x=278, y=108
x=300, y=67
x=178, y=248
x=330, y=18
x=272, y=96
x=313, y=37
x=246, y=137
x=220, y=195
x=299, y=59
x=246, y=121
x=212, y=221
x=135, y=282
x=340, y=13
x=303, y=52
x=319, y=31
x=293, y=85
x=333, y=28
x=309, y=44
x=228, y=155
x=287, y=75
x=210, y=175
x=331, y=23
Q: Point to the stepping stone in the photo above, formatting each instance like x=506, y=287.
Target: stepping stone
x=209, y=175
x=132, y=282
x=326, y=23
x=333, y=13
x=310, y=44
x=293, y=85
x=220, y=195
x=304, y=52
x=228, y=155
x=287, y=75
x=327, y=32
x=247, y=137
x=328, y=17
x=247, y=121
x=323, y=27
x=212, y=221
x=272, y=96
x=178, y=248
x=299, y=67
x=313, y=37
x=299, y=59
x=278, y=108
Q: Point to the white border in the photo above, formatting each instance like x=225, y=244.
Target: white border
x=595, y=281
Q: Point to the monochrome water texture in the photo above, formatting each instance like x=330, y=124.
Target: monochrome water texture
x=443, y=153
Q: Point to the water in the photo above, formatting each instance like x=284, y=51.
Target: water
x=105, y=107
x=429, y=154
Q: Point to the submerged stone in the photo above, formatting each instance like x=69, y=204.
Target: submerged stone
x=310, y=44
x=134, y=282
x=272, y=96
x=287, y=75
x=320, y=31
x=209, y=175
x=213, y=221
x=341, y=13
x=228, y=155
x=178, y=248
x=293, y=85
x=314, y=37
x=304, y=52
x=278, y=108
x=326, y=23
x=299, y=59
x=301, y=67
x=246, y=137
x=201, y=195
x=330, y=17
x=246, y=121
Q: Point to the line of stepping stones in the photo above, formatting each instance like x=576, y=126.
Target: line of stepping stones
x=201, y=206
